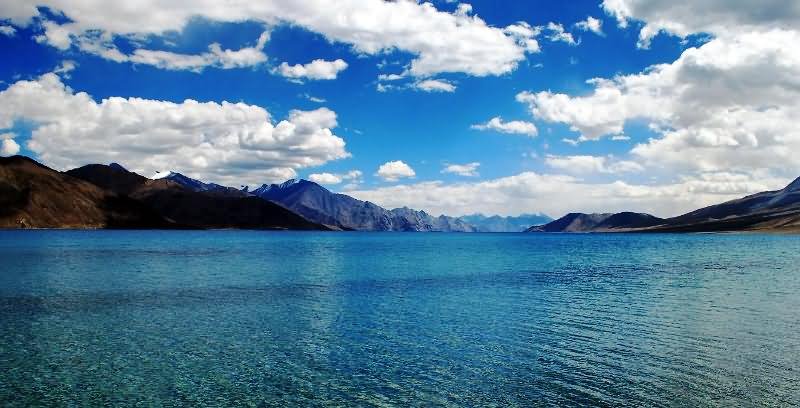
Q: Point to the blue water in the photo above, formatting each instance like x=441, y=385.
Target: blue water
x=233, y=318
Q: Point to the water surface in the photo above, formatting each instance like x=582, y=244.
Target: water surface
x=227, y=318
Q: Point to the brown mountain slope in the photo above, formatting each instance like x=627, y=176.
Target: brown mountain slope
x=201, y=209
x=35, y=196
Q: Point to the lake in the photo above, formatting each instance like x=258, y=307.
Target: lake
x=238, y=318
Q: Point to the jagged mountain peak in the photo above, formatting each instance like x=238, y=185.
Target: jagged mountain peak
x=793, y=186
x=117, y=166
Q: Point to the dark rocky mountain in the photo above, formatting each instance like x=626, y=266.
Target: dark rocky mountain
x=201, y=187
x=210, y=208
x=572, y=222
x=629, y=220
x=343, y=212
x=35, y=196
x=498, y=223
x=768, y=211
x=580, y=222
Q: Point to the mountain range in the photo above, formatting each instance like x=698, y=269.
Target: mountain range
x=339, y=211
x=109, y=196
x=768, y=211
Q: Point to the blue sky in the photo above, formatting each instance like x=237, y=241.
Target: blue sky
x=360, y=123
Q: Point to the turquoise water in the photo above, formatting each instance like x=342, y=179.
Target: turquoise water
x=230, y=318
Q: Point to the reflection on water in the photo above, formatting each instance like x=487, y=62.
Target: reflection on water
x=253, y=318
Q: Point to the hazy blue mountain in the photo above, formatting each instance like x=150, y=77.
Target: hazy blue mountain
x=341, y=211
x=498, y=223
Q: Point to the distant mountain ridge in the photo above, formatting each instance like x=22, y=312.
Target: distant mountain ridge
x=343, y=212
x=497, y=223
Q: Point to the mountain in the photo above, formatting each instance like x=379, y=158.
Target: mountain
x=497, y=223
x=210, y=208
x=35, y=196
x=407, y=219
x=199, y=186
x=580, y=222
x=767, y=211
x=343, y=212
x=770, y=210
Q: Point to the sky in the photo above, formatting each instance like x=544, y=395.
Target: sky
x=498, y=107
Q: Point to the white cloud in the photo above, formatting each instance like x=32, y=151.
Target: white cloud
x=228, y=143
x=314, y=98
x=395, y=170
x=592, y=164
x=440, y=41
x=325, y=178
x=8, y=146
x=102, y=45
x=556, y=195
x=390, y=77
x=317, y=69
x=513, y=127
x=525, y=35
x=215, y=57
x=466, y=170
x=719, y=17
x=729, y=104
x=435, y=85
x=56, y=35
x=591, y=24
x=65, y=68
x=330, y=178
x=7, y=30
x=556, y=33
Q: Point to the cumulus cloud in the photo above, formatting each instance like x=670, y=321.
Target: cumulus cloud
x=591, y=24
x=317, y=69
x=395, y=170
x=435, y=85
x=728, y=104
x=512, y=127
x=325, y=178
x=8, y=146
x=466, y=170
x=556, y=195
x=439, y=41
x=583, y=164
x=228, y=143
x=330, y=178
x=718, y=17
